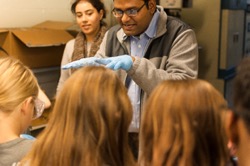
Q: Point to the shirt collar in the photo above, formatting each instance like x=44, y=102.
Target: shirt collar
x=151, y=30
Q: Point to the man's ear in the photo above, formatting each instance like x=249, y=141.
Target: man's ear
x=152, y=6
x=232, y=127
x=26, y=105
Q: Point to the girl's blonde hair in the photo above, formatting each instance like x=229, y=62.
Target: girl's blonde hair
x=17, y=83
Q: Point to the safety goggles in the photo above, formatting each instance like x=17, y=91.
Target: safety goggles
x=38, y=108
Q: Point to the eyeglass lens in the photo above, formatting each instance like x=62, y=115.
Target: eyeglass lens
x=129, y=12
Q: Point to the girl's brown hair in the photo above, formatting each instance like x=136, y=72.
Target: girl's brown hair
x=183, y=125
x=89, y=123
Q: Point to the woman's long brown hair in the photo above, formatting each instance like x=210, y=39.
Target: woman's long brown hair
x=183, y=126
x=89, y=123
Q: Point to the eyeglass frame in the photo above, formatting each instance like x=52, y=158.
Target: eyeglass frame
x=127, y=12
x=39, y=106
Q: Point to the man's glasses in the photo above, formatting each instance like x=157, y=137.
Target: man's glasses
x=38, y=109
x=130, y=12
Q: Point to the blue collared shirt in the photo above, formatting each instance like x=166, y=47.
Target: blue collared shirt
x=138, y=48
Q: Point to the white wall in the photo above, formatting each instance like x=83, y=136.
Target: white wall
x=26, y=13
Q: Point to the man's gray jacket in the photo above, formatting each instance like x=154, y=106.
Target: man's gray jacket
x=171, y=54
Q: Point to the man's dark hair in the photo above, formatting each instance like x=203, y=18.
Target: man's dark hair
x=241, y=93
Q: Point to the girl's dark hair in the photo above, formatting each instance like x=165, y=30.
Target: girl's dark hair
x=96, y=3
x=241, y=93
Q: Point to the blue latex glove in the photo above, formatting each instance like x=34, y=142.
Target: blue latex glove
x=124, y=62
x=81, y=63
x=27, y=136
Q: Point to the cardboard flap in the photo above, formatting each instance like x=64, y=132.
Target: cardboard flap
x=3, y=52
x=54, y=25
x=3, y=30
x=3, y=37
x=71, y=28
x=42, y=37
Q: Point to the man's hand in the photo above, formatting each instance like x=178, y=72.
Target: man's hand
x=124, y=62
x=81, y=62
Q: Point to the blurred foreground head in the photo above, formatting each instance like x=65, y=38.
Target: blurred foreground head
x=89, y=123
x=183, y=125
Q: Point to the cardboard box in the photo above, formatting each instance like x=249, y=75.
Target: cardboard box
x=48, y=77
x=3, y=36
x=35, y=47
x=70, y=27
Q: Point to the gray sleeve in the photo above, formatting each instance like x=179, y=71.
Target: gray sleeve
x=181, y=63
